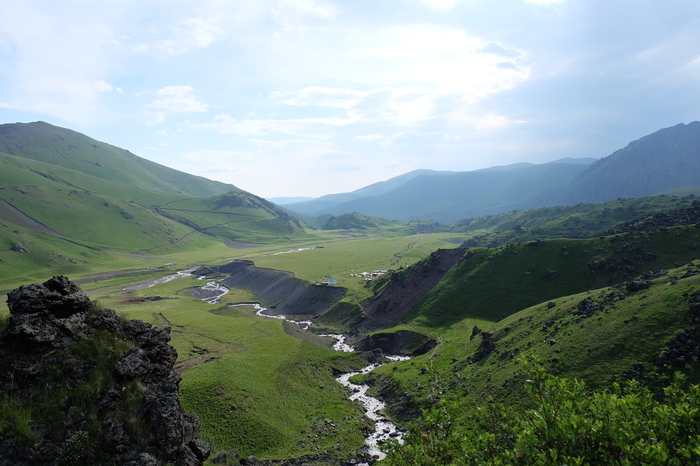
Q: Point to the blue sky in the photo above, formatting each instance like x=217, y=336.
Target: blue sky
x=310, y=97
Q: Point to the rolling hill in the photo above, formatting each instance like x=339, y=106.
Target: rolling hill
x=68, y=203
x=65, y=148
x=596, y=309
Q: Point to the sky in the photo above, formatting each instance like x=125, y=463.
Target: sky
x=312, y=97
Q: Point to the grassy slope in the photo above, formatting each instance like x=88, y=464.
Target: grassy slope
x=256, y=389
x=492, y=290
x=595, y=349
x=66, y=148
x=238, y=216
x=84, y=208
x=104, y=223
x=579, y=221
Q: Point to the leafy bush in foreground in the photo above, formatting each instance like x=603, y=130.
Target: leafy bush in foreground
x=625, y=425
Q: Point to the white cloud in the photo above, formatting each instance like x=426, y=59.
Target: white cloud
x=488, y=121
x=259, y=127
x=294, y=15
x=322, y=97
x=215, y=156
x=442, y=4
x=175, y=99
x=369, y=137
x=49, y=66
x=186, y=35
x=102, y=86
x=546, y=2
x=402, y=75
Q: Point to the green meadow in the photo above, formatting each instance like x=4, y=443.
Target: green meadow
x=255, y=388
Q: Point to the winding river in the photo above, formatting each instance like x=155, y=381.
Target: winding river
x=383, y=428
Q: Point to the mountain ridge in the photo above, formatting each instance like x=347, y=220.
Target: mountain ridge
x=662, y=161
x=666, y=160
x=44, y=142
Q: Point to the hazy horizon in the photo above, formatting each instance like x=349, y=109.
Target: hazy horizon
x=288, y=98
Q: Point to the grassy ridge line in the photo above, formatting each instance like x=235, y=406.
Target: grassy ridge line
x=62, y=147
x=494, y=283
x=579, y=221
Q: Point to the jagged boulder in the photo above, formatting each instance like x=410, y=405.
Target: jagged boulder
x=82, y=386
x=59, y=296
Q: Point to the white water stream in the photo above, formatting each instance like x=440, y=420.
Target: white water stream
x=158, y=281
x=383, y=428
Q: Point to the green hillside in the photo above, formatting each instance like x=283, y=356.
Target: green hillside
x=363, y=223
x=589, y=308
x=68, y=149
x=236, y=216
x=579, y=221
x=72, y=205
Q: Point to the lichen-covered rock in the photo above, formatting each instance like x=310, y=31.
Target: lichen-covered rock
x=58, y=295
x=88, y=387
x=133, y=364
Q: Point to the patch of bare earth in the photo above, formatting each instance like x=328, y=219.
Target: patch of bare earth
x=403, y=293
x=10, y=213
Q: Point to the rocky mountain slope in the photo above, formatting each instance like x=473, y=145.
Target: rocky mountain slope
x=79, y=386
x=665, y=160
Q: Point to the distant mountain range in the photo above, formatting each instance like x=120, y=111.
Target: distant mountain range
x=447, y=197
x=666, y=160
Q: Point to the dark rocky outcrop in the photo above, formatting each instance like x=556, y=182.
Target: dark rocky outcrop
x=485, y=348
x=401, y=342
x=79, y=385
x=661, y=220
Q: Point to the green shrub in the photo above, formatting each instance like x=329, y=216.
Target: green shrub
x=623, y=425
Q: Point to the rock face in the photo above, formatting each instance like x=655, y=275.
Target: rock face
x=401, y=342
x=79, y=385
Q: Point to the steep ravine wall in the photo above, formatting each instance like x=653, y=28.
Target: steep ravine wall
x=407, y=288
x=277, y=289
